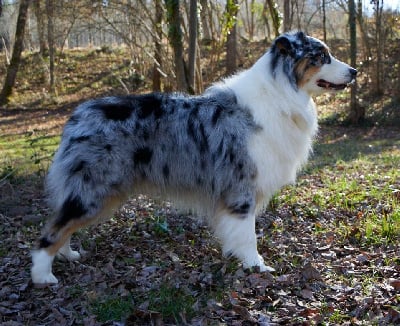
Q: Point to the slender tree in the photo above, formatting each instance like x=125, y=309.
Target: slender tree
x=50, y=40
x=276, y=21
x=286, y=16
x=175, y=38
x=40, y=22
x=323, y=5
x=232, y=9
x=362, y=28
x=356, y=112
x=397, y=92
x=193, y=23
x=12, y=69
x=250, y=11
x=157, y=46
x=378, y=9
x=206, y=20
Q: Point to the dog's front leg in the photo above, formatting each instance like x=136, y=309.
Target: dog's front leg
x=238, y=238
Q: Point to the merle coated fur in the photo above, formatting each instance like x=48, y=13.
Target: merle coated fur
x=223, y=153
x=176, y=142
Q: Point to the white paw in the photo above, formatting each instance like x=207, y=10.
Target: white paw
x=258, y=262
x=266, y=268
x=43, y=278
x=70, y=255
x=41, y=268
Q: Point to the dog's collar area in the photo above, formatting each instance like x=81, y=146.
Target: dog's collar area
x=328, y=85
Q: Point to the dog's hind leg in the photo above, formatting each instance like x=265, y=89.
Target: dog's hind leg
x=50, y=243
x=53, y=240
x=56, y=238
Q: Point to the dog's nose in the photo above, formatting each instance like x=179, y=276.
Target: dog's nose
x=353, y=72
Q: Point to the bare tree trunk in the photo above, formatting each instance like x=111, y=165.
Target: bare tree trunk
x=205, y=20
x=175, y=38
x=324, y=18
x=192, y=44
x=158, y=46
x=40, y=22
x=265, y=19
x=357, y=113
x=50, y=40
x=12, y=69
x=250, y=18
x=274, y=15
x=252, y=23
x=364, y=36
x=398, y=76
x=231, y=38
x=378, y=44
x=286, y=16
x=199, y=75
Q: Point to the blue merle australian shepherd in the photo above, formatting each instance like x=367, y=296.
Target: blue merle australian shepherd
x=223, y=153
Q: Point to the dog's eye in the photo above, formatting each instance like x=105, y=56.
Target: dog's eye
x=323, y=56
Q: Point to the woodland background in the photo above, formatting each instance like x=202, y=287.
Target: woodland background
x=333, y=237
x=166, y=42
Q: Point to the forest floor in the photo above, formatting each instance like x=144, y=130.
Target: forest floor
x=333, y=238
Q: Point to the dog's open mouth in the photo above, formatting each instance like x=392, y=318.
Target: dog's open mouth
x=328, y=85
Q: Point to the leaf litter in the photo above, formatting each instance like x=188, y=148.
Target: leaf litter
x=152, y=265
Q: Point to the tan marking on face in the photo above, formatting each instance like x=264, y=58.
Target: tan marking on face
x=304, y=72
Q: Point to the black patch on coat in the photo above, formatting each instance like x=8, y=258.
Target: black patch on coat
x=203, y=164
x=116, y=111
x=78, y=167
x=125, y=134
x=145, y=134
x=213, y=186
x=191, y=129
x=230, y=155
x=150, y=104
x=81, y=165
x=216, y=115
x=80, y=139
x=73, y=120
x=86, y=177
x=197, y=132
x=108, y=147
x=186, y=105
x=142, y=155
x=240, y=209
x=166, y=171
x=72, y=209
x=44, y=243
x=203, y=141
x=74, y=140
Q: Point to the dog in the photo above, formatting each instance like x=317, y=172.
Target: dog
x=223, y=153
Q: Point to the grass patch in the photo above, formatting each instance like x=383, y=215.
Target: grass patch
x=26, y=154
x=112, y=308
x=172, y=303
x=356, y=179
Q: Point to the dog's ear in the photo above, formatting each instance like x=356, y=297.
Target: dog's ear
x=284, y=46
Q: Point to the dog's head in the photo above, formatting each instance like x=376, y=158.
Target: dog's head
x=308, y=64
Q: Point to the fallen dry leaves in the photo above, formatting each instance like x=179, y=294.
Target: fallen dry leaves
x=318, y=278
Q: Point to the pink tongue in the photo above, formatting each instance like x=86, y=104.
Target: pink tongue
x=323, y=83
